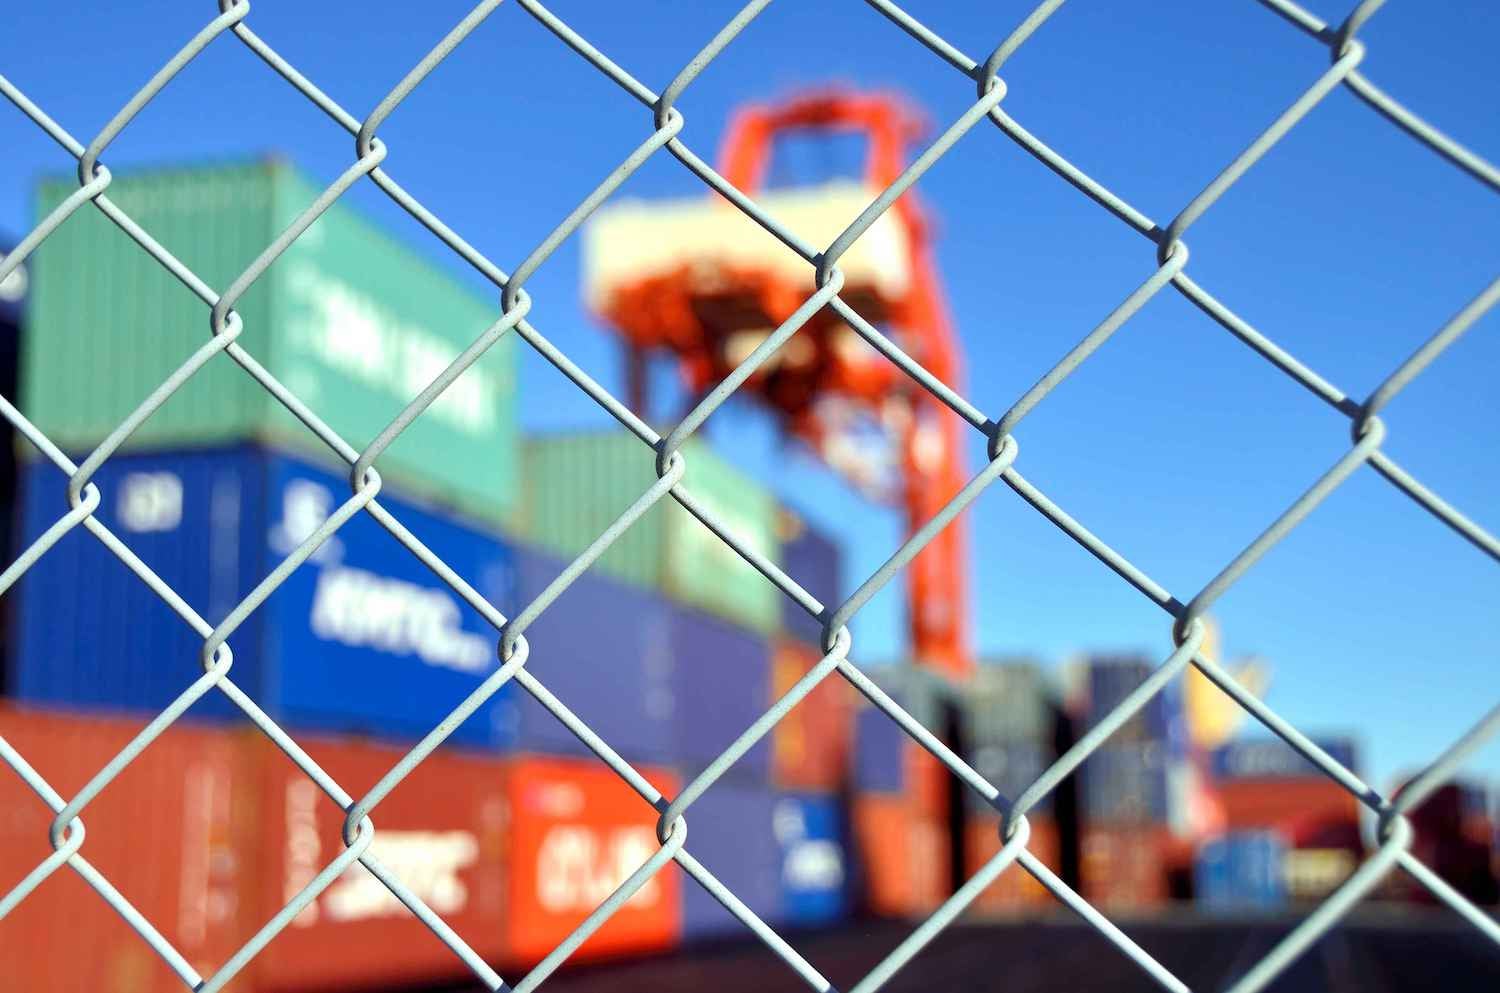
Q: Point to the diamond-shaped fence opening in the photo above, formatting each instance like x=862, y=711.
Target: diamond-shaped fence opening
x=663, y=126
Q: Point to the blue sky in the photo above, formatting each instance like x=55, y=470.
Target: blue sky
x=1349, y=245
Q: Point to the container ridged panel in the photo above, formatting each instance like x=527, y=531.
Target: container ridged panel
x=576, y=485
x=108, y=323
x=363, y=323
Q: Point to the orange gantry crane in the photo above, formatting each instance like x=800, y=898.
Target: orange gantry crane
x=704, y=282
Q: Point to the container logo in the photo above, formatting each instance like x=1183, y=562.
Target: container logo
x=578, y=867
x=348, y=331
x=305, y=505
x=363, y=610
x=814, y=865
x=430, y=864
x=150, y=501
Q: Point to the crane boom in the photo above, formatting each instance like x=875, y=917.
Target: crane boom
x=707, y=284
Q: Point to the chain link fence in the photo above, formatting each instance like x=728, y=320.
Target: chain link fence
x=1368, y=432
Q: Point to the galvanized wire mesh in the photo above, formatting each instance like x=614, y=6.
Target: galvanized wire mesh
x=1368, y=432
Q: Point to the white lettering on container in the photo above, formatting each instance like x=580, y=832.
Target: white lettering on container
x=349, y=331
x=429, y=863
x=363, y=610
x=150, y=501
x=578, y=867
x=814, y=865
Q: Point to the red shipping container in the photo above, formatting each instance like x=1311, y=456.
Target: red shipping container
x=903, y=856
x=442, y=831
x=1015, y=889
x=1267, y=803
x=1122, y=866
x=810, y=746
x=164, y=833
x=577, y=832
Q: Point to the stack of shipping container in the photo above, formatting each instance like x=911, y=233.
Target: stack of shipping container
x=1125, y=787
x=1264, y=785
x=907, y=832
x=668, y=648
x=1009, y=736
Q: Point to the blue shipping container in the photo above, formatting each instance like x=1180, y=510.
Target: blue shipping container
x=1272, y=758
x=814, y=561
x=731, y=831
x=604, y=648
x=722, y=675
x=1125, y=784
x=879, y=752
x=1212, y=885
x=1242, y=870
x=1010, y=768
x=1111, y=679
x=815, y=865
x=361, y=638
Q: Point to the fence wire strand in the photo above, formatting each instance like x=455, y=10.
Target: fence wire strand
x=666, y=129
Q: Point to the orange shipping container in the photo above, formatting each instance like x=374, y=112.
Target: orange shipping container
x=1015, y=889
x=810, y=746
x=212, y=830
x=1123, y=866
x=164, y=833
x=577, y=832
x=441, y=831
x=903, y=857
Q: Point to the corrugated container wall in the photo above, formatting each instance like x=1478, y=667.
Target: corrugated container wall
x=1008, y=702
x=1242, y=870
x=1010, y=768
x=189, y=794
x=732, y=832
x=1125, y=783
x=577, y=485
x=443, y=831
x=723, y=685
x=351, y=321
x=362, y=637
x=1122, y=865
x=902, y=856
x=576, y=832
x=1015, y=889
x=605, y=649
x=816, y=872
x=1109, y=680
x=813, y=559
x=810, y=745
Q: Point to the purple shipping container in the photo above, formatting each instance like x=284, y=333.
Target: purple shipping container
x=814, y=561
x=604, y=648
x=732, y=832
x=722, y=678
x=879, y=752
x=1125, y=784
x=362, y=637
x=1272, y=758
x=1110, y=680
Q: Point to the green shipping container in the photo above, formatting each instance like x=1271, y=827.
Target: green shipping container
x=576, y=485
x=353, y=322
